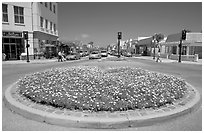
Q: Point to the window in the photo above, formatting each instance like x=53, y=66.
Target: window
x=51, y=26
x=5, y=12
x=184, y=50
x=174, y=49
x=45, y=4
x=54, y=8
x=46, y=24
x=54, y=27
x=50, y=6
x=41, y=22
x=19, y=14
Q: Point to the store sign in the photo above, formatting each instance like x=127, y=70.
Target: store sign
x=12, y=34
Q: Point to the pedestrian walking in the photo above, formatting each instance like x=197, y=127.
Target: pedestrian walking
x=158, y=56
x=63, y=56
x=59, y=56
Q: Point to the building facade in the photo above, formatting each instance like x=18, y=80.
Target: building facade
x=27, y=16
x=190, y=47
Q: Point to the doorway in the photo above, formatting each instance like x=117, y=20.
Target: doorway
x=11, y=51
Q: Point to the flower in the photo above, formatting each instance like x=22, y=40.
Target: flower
x=111, y=89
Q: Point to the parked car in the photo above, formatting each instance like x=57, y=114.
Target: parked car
x=95, y=55
x=86, y=53
x=81, y=53
x=73, y=56
x=104, y=53
x=128, y=54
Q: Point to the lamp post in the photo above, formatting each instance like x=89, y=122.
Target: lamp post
x=25, y=35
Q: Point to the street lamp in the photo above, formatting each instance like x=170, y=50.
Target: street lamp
x=25, y=35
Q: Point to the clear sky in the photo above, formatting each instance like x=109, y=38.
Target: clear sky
x=100, y=22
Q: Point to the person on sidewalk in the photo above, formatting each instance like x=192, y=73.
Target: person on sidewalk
x=158, y=56
x=59, y=56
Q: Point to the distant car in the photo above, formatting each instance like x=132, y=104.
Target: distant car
x=81, y=53
x=95, y=55
x=128, y=54
x=86, y=53
x=104, y=53
x=73, y=56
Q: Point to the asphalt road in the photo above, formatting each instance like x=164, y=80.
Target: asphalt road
x=191, y=73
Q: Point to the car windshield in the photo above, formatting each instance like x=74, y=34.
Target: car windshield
x=103, y=51
x=73, y=54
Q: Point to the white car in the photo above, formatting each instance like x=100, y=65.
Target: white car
x=104, y=53
x=95, y=55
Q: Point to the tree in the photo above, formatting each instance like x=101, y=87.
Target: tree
x=159, y=37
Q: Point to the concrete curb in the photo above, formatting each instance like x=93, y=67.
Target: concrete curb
x=107, y=120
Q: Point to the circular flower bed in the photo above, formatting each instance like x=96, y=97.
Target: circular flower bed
x=96, y=89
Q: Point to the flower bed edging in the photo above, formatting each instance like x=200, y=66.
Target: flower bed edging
x=121, y=121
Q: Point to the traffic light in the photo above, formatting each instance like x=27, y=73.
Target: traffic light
x=119, y=35
x=25, y=35
x=183, y=34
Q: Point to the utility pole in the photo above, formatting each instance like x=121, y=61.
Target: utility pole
x=119, y=37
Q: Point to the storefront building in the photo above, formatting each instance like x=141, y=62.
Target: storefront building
x=25, y=16
x=191, y=47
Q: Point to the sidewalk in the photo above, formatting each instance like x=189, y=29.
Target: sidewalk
x=164, y=60
x=37, y=61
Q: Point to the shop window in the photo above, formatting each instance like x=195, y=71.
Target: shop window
x=184, y=50
x=5, y=12
x=174, y=49
x=41, y=22
x=19, y=14
x=13, y=40
x=191, y=50
x=5, y=40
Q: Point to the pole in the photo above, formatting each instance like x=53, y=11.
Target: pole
x=180, y=49
x=118, y=48
x=27, y=51
x=154, y=50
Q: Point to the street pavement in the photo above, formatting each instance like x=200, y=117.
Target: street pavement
x=192, y=73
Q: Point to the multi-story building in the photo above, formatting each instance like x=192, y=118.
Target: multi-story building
x=38, y=18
